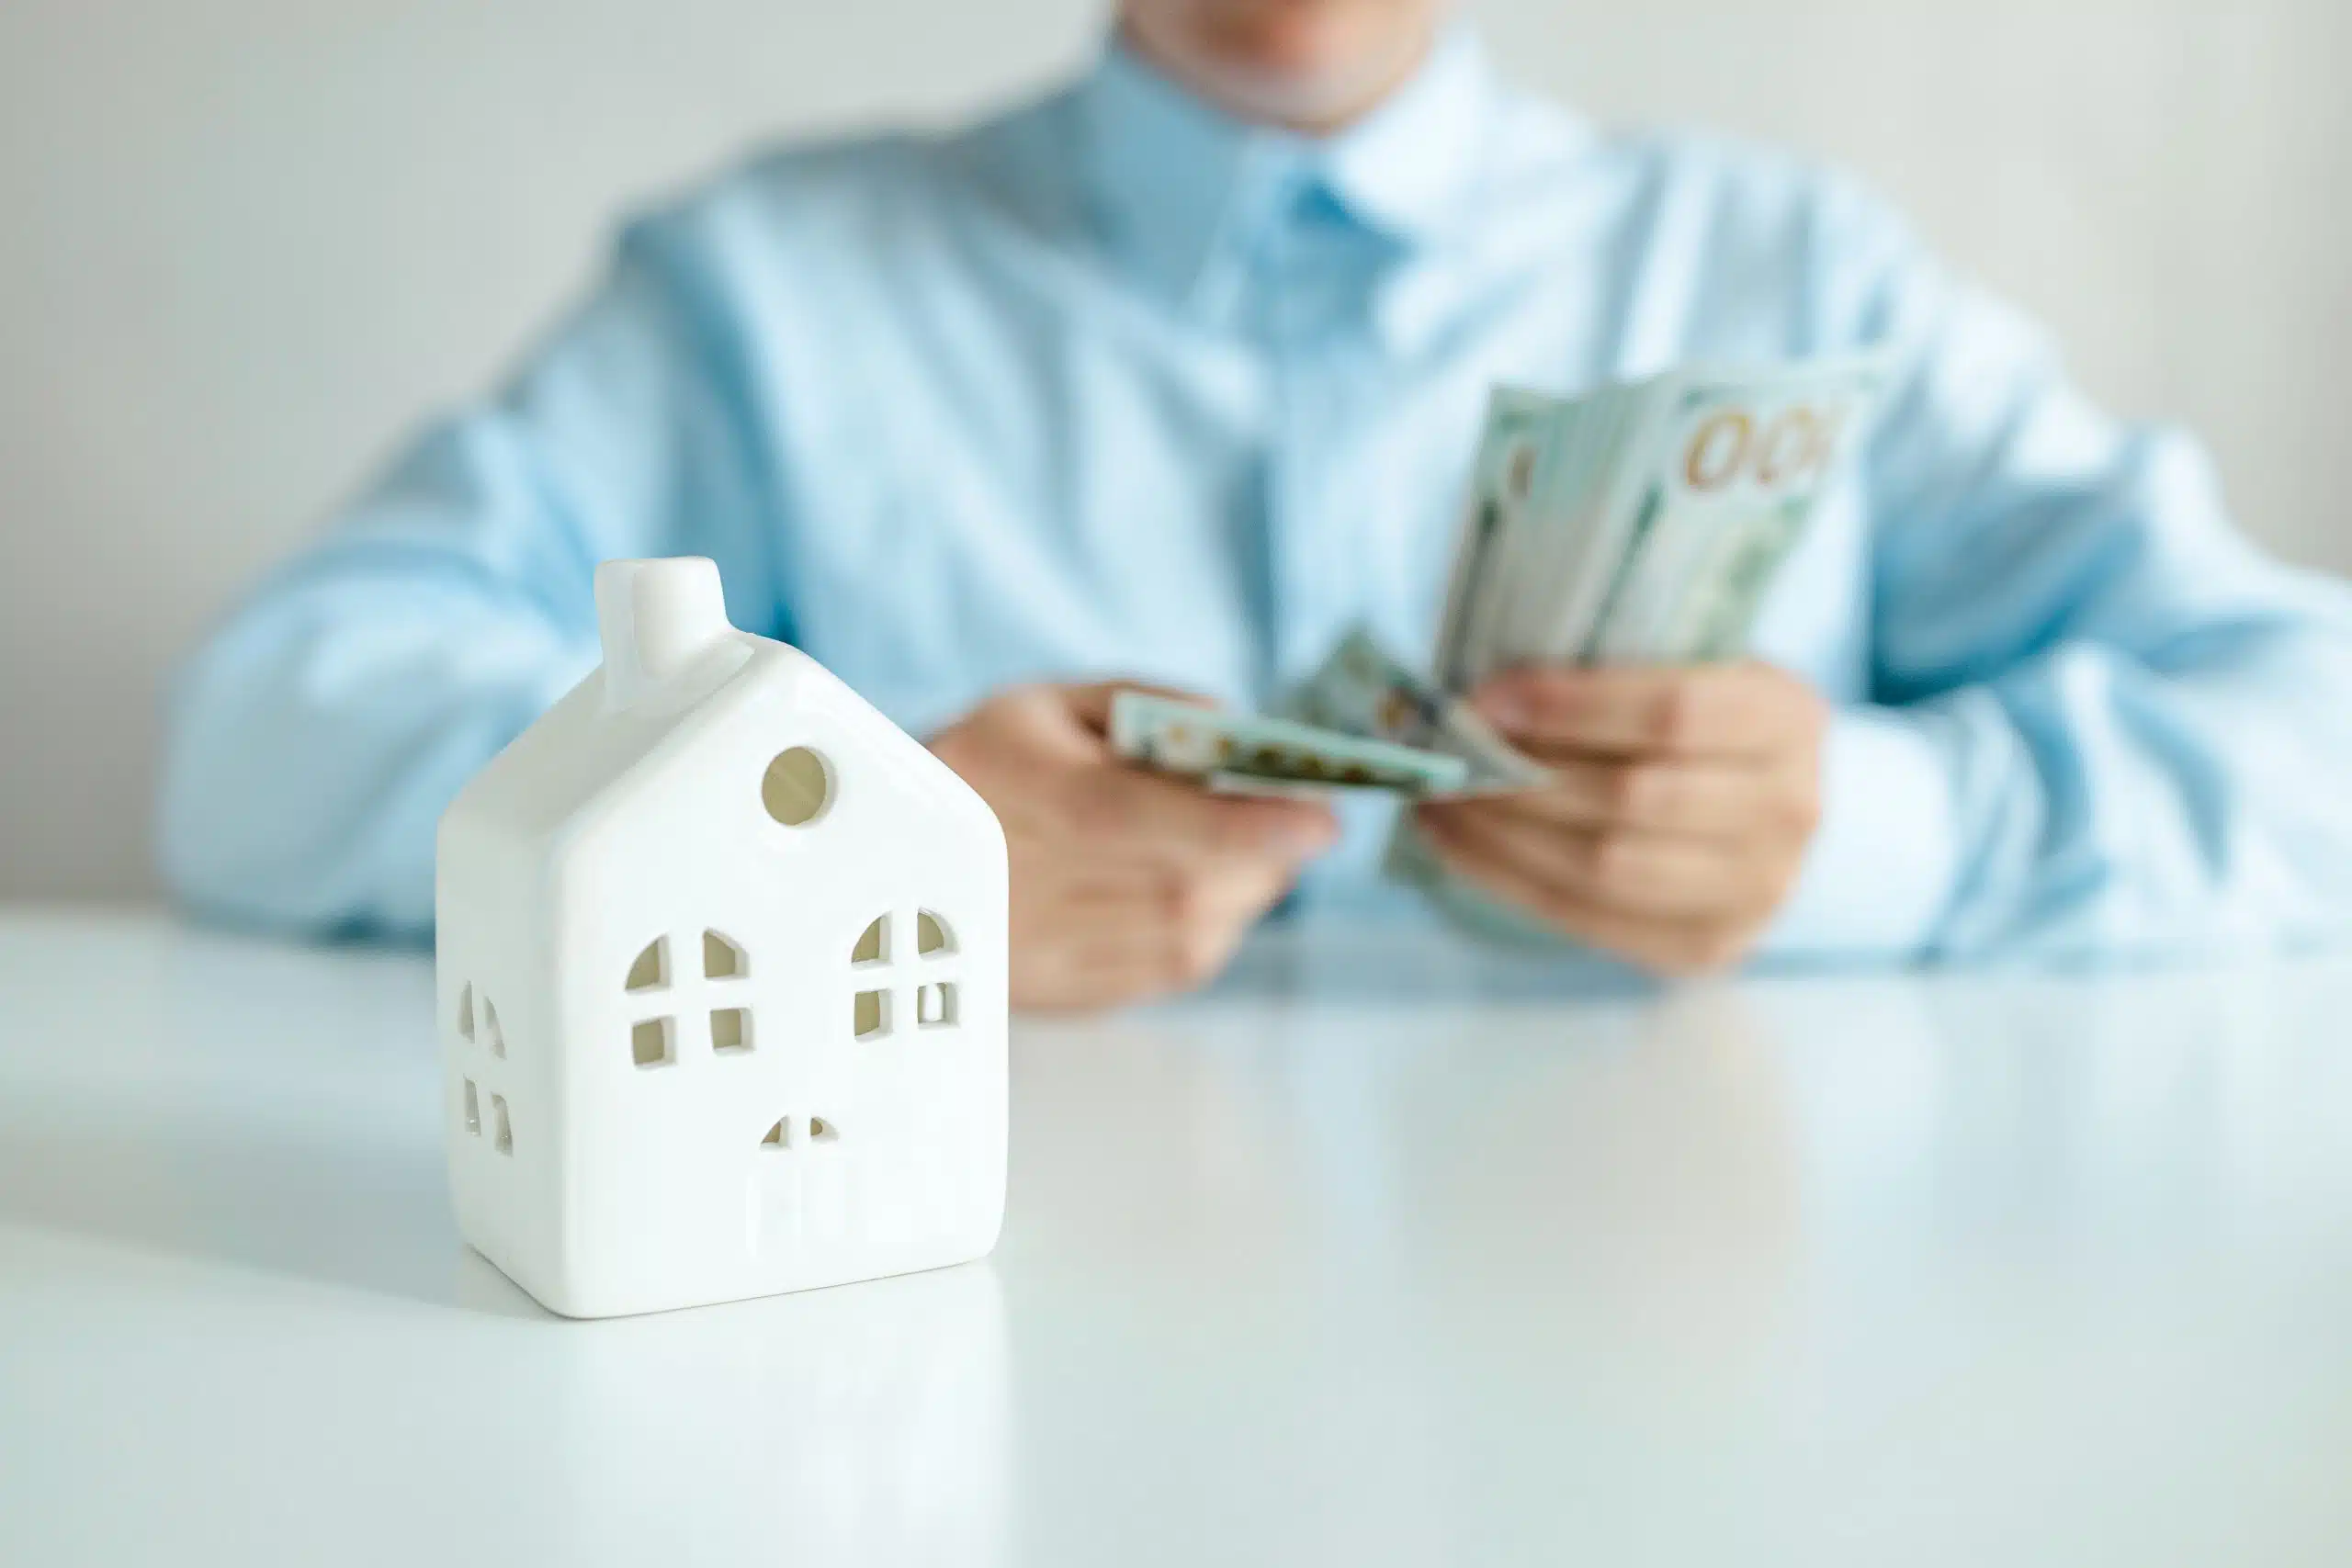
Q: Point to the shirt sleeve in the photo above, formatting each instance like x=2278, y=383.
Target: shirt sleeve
x=316, y=737
x=2101, y=721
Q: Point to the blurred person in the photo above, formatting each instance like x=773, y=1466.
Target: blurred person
x=1172, y=374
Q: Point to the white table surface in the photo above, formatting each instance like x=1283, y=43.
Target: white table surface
x=1383, y=1252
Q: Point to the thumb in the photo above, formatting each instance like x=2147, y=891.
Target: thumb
x=1090, y=704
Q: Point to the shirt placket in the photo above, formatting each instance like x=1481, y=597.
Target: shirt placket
x=1312, y=295
x=1309, y=311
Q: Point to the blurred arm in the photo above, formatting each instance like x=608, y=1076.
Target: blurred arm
x=317, y=736
x=2102, y=721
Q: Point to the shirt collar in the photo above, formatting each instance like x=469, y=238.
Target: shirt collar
x=1170, y=177
x=1413, y=167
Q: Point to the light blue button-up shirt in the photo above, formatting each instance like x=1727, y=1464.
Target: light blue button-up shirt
x=1113, y=385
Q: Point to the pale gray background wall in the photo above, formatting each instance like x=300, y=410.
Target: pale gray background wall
x=244, y=243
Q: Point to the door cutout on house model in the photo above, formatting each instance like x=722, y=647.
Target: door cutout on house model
x=781, y=1136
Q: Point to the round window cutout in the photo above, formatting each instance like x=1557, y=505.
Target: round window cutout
x=798, y=786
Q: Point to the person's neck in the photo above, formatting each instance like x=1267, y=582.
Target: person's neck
x=1321, y=108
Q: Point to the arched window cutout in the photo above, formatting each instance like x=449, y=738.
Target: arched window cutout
x=873, y=946
x=821, y=1131
x=721, y=959
x=931, y=935
x=466, y=1011
x=503, y=1128
x=778, y=1136
x=651, y=970
x=490, y=1030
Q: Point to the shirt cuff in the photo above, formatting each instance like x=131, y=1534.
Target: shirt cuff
x=1884, y=859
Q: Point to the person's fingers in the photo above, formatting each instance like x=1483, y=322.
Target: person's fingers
x=1091, y=704
x=1706, y=797
x=1125, y=884
x=1662, y=944
x=1192, y=955
x=1098, y=936
x=1087, y=980
x=1116, y=808
x=1023, y=730
x=1102, y=884
x=1111, y=808
x=1037, y=756
x=1720, y=710
x=1214, y=914
x=1638, y=873
x=1144, y=959
x=1110, y=894
x=1094, y=944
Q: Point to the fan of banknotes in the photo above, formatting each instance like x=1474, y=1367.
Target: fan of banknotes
x=1641, y=523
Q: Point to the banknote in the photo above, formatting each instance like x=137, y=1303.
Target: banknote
x=1240, y=752
x=1503, y=485
x=1365, y=690
x=1640, y=523
x=1645, y=521
x=1736, y=469
x=1365, y=720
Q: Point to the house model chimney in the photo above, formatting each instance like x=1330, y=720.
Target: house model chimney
x=656, y=619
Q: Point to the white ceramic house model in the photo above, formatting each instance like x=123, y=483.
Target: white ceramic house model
x=722, y=973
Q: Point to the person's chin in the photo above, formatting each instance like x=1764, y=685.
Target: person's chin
x=1305, y=66
x=1308, y=89
x=1287, y=97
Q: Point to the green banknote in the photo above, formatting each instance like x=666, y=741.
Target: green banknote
x=1728, y=473
x=1252, y=753
x=1519, y=433
x=1638, y=523
x=1643, y=522
x=1363, y=689
x=1364, y=721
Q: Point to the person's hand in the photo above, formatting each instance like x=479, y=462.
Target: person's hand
x=1125, y=885
x=1680, y=806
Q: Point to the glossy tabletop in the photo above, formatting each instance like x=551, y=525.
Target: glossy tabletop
x=1385, y=1251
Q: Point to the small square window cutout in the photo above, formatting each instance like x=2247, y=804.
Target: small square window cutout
x=871, y=1016
x=652, y=1042
x=935, y=1004
x=730, y=1030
